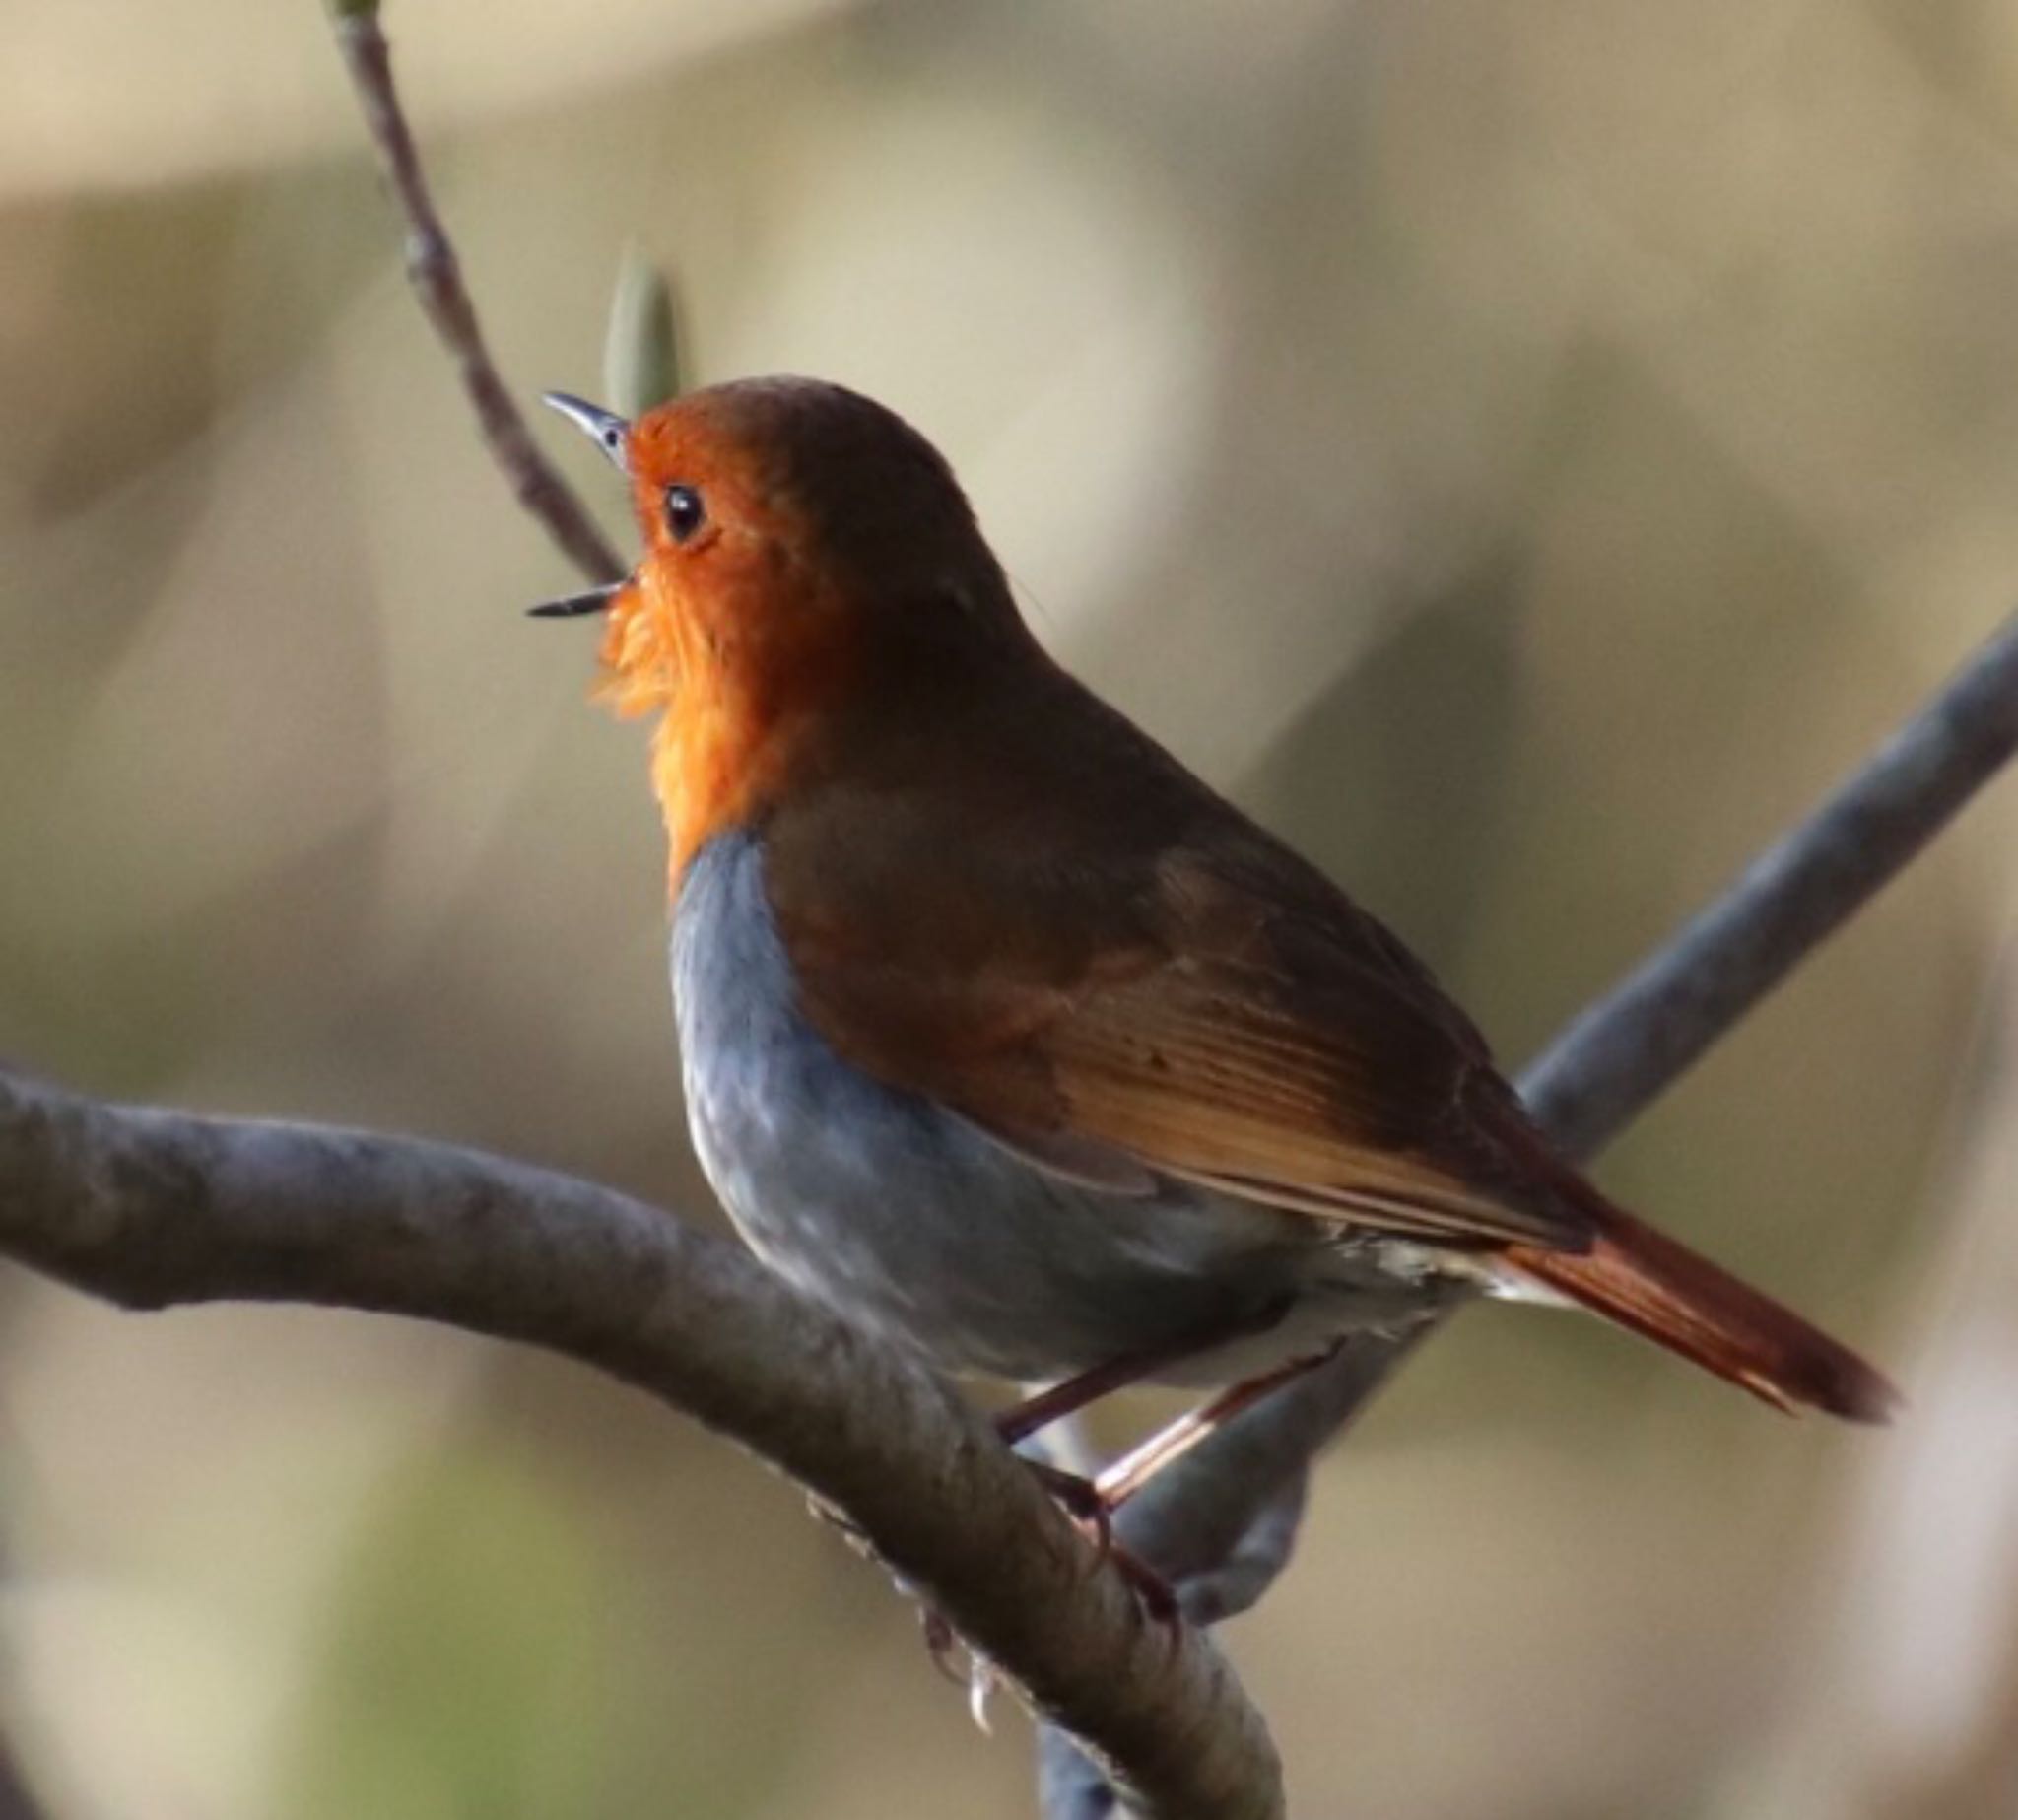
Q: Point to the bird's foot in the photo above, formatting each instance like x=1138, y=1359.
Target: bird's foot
x=978, y=1676
x=1088, y=1507
x=1080, y=1499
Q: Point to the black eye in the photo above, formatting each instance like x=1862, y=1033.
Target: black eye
x=685, y=514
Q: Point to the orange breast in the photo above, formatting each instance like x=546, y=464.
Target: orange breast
x=741, y=705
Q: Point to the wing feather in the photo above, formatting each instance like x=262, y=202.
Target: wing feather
x=1087, y=954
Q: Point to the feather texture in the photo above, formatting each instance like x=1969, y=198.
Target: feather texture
x=1160, y=980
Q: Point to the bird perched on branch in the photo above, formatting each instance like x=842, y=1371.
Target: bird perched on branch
x=1005, y=1035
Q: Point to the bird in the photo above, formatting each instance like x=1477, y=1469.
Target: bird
x=1007, y=1036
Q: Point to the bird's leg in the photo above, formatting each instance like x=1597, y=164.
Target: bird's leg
x=1071, y=1395
x=1133, y=1470
x=1081, y=1499
x=1091, y=1503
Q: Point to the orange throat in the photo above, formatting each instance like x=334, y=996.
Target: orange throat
x=721, y=748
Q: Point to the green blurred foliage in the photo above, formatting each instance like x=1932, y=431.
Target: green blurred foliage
x=642, y=348
x=438, y=1696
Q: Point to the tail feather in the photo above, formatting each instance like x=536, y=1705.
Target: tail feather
x=1647, y=1282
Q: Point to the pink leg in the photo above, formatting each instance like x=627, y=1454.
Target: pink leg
x=1024, y=1419
x=1129, y=1474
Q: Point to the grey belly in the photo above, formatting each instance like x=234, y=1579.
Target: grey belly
x=912, y=1221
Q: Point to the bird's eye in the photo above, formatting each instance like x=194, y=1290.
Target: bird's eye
x=685, y=514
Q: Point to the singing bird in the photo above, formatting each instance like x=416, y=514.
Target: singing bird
x=1009, y=1038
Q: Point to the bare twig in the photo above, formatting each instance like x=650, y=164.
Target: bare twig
x=1634, y=1042
x=437, y=278
x=152, y=1208
x=1611, y=1061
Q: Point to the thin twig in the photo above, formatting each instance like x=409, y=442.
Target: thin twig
x=437, y=278
x=1611, y=1061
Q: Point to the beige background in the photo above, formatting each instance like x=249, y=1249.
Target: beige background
x=1524, y=454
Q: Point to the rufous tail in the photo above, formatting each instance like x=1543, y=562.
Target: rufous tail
x=1643, y=1280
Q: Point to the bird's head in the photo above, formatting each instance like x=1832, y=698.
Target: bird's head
x=810, y=564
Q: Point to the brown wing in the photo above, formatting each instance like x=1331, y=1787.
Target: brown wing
x=1113, y=971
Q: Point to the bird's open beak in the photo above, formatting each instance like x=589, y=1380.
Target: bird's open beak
x=610, y=434
x=574, y=606
x=605, y=429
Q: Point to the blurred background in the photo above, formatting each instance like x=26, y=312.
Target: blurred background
x=1523, y=454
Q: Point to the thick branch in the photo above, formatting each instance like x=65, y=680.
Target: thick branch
x=435, y=274
x=152, y=1208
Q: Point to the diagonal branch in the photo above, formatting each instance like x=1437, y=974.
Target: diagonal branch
x=1634, y=1042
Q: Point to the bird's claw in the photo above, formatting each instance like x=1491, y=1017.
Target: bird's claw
x=943, y=1643
x=1087, y=1506
x=1081, y=1499
x=1157, y=1596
